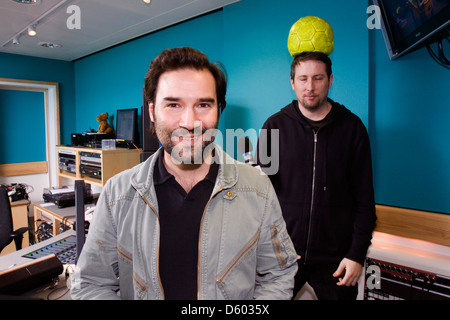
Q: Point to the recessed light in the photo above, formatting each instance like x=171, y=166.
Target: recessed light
x=49, y=45
x=26, y=1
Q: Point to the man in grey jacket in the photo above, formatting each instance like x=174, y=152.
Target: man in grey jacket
x=190, y=222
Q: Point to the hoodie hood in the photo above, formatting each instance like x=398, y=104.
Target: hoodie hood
x=293, y=111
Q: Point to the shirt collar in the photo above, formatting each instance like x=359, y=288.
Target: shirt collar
x=161, y=175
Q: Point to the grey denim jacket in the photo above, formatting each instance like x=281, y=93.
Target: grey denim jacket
x=245, y=251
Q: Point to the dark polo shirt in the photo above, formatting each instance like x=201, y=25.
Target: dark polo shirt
x=180, y=215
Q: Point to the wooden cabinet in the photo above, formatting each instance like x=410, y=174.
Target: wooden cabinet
x=105, y=163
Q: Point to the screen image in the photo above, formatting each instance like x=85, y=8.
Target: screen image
x=126, y=125
x=406, y=16
x=409, y=24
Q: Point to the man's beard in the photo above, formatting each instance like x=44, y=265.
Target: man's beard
x=312, y=106
x=189, y=153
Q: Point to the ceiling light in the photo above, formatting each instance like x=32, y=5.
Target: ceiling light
x=16, y=40
x=32, y=31
x=147, y=1
x=26, y=1
x=49, y=45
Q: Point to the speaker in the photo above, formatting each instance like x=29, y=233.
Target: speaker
x=26, y=277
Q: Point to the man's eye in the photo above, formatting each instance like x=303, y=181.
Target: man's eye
x=204, y=105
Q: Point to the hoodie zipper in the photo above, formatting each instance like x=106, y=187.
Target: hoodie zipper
x=312, y=193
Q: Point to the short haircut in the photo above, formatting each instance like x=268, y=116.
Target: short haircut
x=308, y=55
x=184, y=58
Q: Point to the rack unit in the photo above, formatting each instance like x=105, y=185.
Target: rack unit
x=108, y=162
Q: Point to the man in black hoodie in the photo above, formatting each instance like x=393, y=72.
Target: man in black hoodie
x=324, y=181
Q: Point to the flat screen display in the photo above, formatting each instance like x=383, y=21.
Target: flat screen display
x=126, y=125
x=406, y=24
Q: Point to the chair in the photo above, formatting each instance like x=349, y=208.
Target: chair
x=7, y=234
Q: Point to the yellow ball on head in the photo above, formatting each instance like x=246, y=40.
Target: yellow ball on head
x=310, y=34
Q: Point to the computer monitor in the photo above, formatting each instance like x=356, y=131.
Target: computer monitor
x=127, y=125
x=409, y=25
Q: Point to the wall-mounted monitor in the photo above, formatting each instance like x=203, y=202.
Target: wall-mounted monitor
x=127, y=125
x=410, y=24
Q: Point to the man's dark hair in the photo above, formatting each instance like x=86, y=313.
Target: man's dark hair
x=308, y=55
x=184, y=58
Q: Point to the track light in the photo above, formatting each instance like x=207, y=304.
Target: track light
x=16, y=40
x=32, y=31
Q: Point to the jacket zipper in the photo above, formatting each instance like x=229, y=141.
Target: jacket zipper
x=312, y=194
x=277, y=246
x=199, y=235
x=237, y=257
x=157, y=263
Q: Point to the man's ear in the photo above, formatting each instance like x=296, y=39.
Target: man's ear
x=292, y=84
x=331, y=82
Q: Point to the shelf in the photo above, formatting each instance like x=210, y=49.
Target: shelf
x=108, y=162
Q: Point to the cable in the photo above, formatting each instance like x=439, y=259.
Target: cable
x=440, y=56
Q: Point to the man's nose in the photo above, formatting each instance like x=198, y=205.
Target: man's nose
x=310, y=85
x=187, y=119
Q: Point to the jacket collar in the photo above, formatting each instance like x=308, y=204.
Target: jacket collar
x=142, y=177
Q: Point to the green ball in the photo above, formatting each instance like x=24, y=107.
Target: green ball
x=310, y=34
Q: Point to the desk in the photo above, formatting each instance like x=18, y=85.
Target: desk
x=19, y=211
x=50, y=213
x=47, y=292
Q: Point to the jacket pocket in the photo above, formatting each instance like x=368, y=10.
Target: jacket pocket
x=124, y=255
x=140, y=286
x=236, y=277
x=280, y=241
x=128, y=276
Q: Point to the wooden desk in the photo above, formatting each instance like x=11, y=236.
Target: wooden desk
x=50, y=213
x=19, y=211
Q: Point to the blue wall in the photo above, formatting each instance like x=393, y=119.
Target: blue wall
x=250, y=39
x=410, y=131
x=39, y=69
x=403, y=103
x=114, y=79
x=21, y=110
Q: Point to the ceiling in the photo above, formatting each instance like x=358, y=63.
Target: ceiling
x=83, y=27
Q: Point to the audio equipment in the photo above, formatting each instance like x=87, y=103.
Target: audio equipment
x=404, y=283
x=23, y=278
x=91, y=164
x=64, y=250
x=65, y=196
x=90, y=139
x=66, y=159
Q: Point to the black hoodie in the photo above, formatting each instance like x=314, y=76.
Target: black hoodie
x=324, y=183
